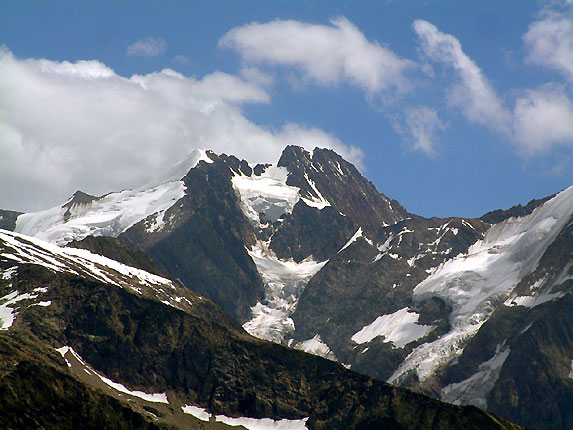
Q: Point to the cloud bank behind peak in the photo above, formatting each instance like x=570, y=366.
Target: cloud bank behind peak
x=67, y=126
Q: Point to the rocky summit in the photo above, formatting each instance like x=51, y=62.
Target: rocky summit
x=288, y=295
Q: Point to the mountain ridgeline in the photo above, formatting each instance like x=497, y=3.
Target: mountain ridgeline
x=306, y=253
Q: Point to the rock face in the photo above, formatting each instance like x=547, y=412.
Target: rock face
x=203, y=237
x=68, y=313
x=349, y=200
x=324, y=172
x=309, y=254
x=499, y=215
x=8, y=219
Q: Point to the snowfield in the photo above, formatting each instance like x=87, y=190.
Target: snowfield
x=112, y=214
x=109, y=216
x=400, y=328
x=267, y=193
x=248, y=423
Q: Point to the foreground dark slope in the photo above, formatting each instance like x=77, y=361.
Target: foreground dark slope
x=37, y=391
x=194, y=353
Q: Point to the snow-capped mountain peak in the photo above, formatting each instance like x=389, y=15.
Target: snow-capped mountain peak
x=180, y=169
x=111, y=214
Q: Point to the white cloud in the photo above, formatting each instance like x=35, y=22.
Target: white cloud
x=181, y=59
x=67, y=126
x=473, y=94
x=325, y=54
x=423, y=124
x=543, y=119
x=148, y=47
x=550, y=42
x=256, y=76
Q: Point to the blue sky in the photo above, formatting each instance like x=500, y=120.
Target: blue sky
x=450, y=107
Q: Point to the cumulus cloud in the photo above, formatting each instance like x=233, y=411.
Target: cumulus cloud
x=255, y=75
x=67, y=126
x=422, y=125
x=549, y=42
x=324, y=54
x=543, y=118
x=472, y=94
x=148, y=47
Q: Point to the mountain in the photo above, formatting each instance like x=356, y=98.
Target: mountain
x=87, y=340
x=309, y=254
x=210, y=219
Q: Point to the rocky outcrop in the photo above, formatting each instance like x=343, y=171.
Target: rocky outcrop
x=500, y=215
x=8, y=219
x=78, y=199
x=353, y=201
x=202, y=244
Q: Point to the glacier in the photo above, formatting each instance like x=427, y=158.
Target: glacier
x=476, y=282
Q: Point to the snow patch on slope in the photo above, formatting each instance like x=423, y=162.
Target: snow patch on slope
x=8, y=273
x=400, y=328
x=66, y=351
x=353, y=239
x=318, y=201
x=7, y=307
x=284, y=282
x=534, y=300
x=476, y=282
x=541, y=291
x=316, y=346
x=248, y=423
x=474, y=390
